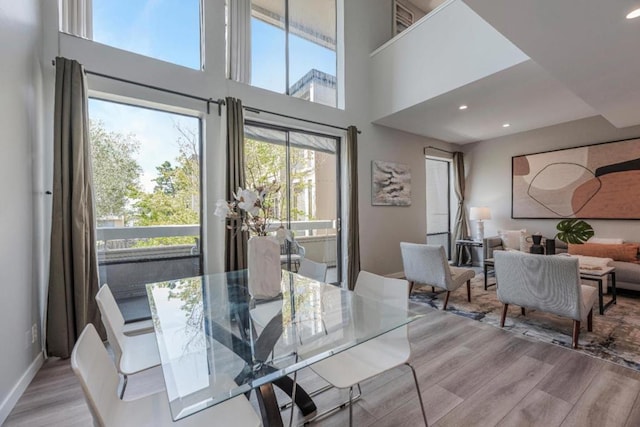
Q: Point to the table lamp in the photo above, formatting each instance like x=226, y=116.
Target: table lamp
x=479, y=214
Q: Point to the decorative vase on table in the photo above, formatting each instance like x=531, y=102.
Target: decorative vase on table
x=265, y=274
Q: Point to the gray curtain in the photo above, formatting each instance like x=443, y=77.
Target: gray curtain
x=460, y=231
x=353, y=236
x=235, y=241
x=73, y=270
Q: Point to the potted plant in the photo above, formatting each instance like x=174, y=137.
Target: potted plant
x=573, y=230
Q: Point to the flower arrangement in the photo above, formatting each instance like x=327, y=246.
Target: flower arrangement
x=253, y=208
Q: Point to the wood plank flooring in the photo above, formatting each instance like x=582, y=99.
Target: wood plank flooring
x=470, y=374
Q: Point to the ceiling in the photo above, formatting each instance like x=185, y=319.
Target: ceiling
x=584, y=62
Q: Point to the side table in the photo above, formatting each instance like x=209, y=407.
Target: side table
x=488, y=264
x=598, y=276
x=464, y=246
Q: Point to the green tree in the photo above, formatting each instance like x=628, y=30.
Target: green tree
x=176, y=196
x=115, y=171
x=265, y=163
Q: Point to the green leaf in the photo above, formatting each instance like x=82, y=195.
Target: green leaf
x=574, y=231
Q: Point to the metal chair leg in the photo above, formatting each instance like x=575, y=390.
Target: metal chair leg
x=415, y=379
x=124, y=385
x=350, y=406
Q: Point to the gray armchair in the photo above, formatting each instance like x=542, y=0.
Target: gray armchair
x=428, y=265
x=545, y=283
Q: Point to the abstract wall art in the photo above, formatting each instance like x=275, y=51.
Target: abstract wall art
x=600, y=181
x=390, y=184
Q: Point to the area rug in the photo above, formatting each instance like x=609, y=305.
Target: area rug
x=615, y=336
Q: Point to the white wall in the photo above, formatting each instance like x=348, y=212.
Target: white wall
x=20, y=116
x=489, y=173
x=368, y=27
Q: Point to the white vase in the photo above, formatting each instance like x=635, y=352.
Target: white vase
x=265, y=273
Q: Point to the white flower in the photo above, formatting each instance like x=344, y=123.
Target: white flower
x=283, y=234
x=222, y=209
x=247, y=200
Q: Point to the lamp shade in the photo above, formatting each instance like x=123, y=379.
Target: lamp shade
x=479, y=214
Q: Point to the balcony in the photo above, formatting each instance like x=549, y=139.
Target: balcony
x=127, y=259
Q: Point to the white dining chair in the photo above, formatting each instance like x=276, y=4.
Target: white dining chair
x=99, y=380
x=374, y=357
x=313, y=270
x=133, y=353
x=427, y=265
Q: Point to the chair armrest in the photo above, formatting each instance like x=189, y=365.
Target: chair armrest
x=490, y=244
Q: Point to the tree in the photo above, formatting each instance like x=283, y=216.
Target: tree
x=176, y=196
x=115, y=171
x=265, y=163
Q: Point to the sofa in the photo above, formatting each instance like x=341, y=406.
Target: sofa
x=627, y=271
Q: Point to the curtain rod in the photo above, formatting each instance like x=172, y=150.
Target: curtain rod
x=258, y=110
x=209, y=101
x=439, y=149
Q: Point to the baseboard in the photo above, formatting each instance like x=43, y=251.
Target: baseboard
x=396, y=275
x=12, y=398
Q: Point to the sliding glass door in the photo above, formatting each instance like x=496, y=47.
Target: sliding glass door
x=305, y=166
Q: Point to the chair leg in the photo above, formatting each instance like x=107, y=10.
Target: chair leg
x=523, y=311
x=415, y=380
x=468, y=290
x=411, y=286
x=504, y=314
x=350, y=406
x=446, y=300
x=590, y=321
x=433, y=289
x=576, y=333
x=124, y=385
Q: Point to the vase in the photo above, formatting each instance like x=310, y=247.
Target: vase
x=265, y=274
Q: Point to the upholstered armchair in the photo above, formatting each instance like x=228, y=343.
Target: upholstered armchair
x=428, y=265
x=544, y=283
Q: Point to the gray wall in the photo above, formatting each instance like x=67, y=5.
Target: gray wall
x=489, y=173
x=20, y=119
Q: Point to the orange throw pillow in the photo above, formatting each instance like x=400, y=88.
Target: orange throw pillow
x=623, y=252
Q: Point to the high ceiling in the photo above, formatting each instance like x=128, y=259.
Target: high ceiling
x=584, y=62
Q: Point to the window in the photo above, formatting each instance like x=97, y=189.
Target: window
x=306, y=167
x=146, y=174
x=292, y=48
x=438, y=200
x=168, y=30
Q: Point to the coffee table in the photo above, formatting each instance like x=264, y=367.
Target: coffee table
x=599, y=276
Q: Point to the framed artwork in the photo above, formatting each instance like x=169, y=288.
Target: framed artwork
x=390, y=184
x=600, y=181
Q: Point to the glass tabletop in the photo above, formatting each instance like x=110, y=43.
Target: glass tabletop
x=216, y=342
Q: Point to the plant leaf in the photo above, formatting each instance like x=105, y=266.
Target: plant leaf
x=574, y=231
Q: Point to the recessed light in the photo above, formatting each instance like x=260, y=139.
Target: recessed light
x=634, y=14
x=506, y=125
x=462, y=107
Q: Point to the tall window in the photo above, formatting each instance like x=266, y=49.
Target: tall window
x=438, y=202
x=168, y=30
x=146, y=172
x=292, y=48
x=305, y=166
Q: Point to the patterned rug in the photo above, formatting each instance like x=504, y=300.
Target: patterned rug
x=615, y=336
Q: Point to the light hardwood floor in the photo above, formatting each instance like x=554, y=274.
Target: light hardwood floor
x=470, y=374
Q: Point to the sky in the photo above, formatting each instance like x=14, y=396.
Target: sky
x=169, y=30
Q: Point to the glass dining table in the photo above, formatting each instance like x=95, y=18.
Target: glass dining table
x=216, y=342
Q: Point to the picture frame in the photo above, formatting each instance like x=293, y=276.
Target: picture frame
x=390, y=184
x=597, y=181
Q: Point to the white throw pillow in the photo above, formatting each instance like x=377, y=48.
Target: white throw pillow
x=514, y=239
x=606, y=241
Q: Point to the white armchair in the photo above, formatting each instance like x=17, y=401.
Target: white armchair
x=427, y=265
x=545, y=283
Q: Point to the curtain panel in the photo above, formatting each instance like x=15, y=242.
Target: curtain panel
x=73, y=270
x=235, y=240
x=353, y=231
x=461, y=229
